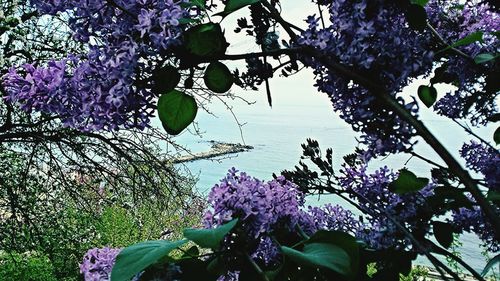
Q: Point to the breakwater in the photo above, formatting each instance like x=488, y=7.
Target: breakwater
x=216, y=150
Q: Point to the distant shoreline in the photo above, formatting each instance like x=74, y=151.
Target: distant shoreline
x=217, y=149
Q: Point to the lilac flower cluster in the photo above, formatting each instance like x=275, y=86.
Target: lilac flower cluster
x=373, y=37
x=98, y=263
x=473, y=220
x=454, y=23
x=330, y=217
x=485, y=160
x=262, y=207
x=372, y=189
x=108, y=88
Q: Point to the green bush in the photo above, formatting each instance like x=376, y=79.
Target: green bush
x=417, y=272
x=29, y=266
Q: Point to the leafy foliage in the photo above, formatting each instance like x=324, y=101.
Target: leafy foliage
x=176, y=111
x=30, y=266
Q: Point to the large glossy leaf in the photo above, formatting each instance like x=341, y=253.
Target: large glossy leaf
x=443, y=233
x=343, y=240
x=322, y=255
x=234, y=5
x=407, y=182
x=176, y=111
x=138, y=257
x=165, y=79
x=205, y=40
x=427, y=95
x=209, y=238
x=218, y=78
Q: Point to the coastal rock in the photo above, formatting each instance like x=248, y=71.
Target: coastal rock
x=217, y=149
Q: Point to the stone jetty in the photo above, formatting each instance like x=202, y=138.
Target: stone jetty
x=217, y=149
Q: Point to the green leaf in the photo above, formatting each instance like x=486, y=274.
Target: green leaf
x=217, y=266
x=469, y=39
x=218, y=78
x=482, y=58
x=209, y=238
x=443, y=233
x=199, y=3
x=493, y=196
x=165, y=79
x=195, y=270
x=138, y=257
x=427, y=95
x=420, y=2
x=234, y=5
x=176, y=111
x=407, y=182
x=188, y=21
x=416, y=17
x=490, y=264
x=496, y=136
x=194, y=3
x=322, y=255
x=205, y=40
x=343, y=240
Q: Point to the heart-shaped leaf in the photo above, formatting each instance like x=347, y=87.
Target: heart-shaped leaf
x=218, y=78
x=209, y=238
x=496, y=136
x=407, y=182
x=427, y=95
x=165, y=79
x=205, y=40
x=176, y=111
x=322, y=255
x=234, y=5
x=138, y=257
x=443, y=233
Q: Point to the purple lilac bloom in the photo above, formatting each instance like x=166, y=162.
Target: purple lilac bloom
x=453, y=24
x=261, y=206
x=372, y=189
x=473, y=220
x=485, y=160
x=102, y=90
x=98, y=263
x=330, y=217
x=373, y=37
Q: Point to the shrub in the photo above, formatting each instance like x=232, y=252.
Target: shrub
x=29, y=266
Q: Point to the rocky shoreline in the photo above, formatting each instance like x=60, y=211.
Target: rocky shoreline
x=217, y=149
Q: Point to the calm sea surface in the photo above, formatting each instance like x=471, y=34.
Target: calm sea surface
x=298, y=113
